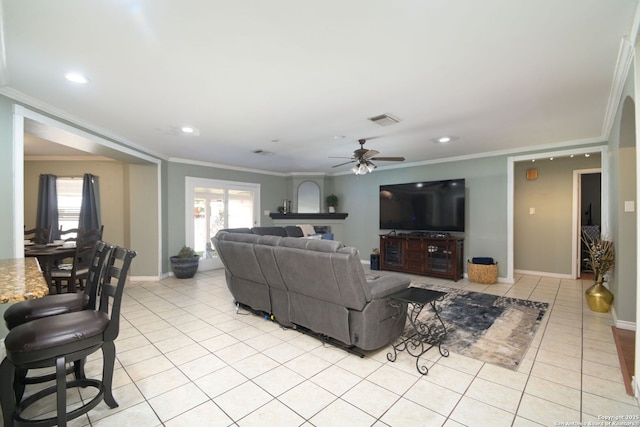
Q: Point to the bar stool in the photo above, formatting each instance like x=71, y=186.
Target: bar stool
x=51, y=305
x=58, y=339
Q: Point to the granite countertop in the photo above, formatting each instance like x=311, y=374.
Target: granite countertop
x=21, y=279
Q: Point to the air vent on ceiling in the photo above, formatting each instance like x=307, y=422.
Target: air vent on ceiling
x=384, y=120
x=263, y=152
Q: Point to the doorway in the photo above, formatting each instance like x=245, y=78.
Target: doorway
x=528, y=249
x=588, y=188
x=213, y=205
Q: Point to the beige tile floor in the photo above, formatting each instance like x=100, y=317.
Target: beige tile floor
x=185, y=358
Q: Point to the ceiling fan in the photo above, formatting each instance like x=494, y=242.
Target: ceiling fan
x=363, y=157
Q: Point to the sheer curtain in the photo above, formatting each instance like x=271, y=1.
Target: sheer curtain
x=90, y=208
x=47, y=214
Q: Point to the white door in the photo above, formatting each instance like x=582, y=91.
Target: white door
x=213, y=205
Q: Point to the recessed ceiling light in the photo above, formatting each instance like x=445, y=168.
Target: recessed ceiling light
x=187, y=129
x=444, y=139
x=76, y=78
x=587, y=155
x=550, y=158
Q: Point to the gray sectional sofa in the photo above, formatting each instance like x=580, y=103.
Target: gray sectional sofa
x=314, y=285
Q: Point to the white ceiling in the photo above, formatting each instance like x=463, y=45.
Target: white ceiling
x=289, y=76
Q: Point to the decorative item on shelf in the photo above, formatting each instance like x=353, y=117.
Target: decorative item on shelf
x=332, y=202
x=601, y=261
x=286, y=206
x=281, y=209
x=185, y=264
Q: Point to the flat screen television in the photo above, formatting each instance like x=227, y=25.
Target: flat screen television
x=423, y=206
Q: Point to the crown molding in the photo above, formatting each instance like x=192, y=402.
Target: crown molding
x=222, y=166
x=68, y=159
x=623, y=65
x=57, y=114
x=4, y=72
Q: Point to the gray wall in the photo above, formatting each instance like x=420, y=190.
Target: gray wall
x=111, y=176
x=486, y=204
x=622, y=187
x=272, y=190
x=543, y=241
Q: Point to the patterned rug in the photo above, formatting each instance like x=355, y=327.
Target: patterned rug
x=490, y=328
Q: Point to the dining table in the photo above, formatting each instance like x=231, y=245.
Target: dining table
x=48, y=254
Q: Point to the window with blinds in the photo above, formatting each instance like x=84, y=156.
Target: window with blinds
x=69, y=200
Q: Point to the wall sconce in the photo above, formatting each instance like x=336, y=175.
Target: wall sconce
x=532, y=174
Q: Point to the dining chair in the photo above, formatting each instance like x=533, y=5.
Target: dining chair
x=72, y=234
x=75, y=273
x=38, y=235
x=53, y=341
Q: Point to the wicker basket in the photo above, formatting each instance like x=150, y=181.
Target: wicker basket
x=482, y=273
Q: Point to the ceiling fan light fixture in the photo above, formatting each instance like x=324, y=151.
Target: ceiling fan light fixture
x=363, y=167
x=370, y=166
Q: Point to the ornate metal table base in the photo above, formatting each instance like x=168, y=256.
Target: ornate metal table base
x=423, y=336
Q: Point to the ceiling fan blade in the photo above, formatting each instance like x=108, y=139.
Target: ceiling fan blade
x=342, y=164
x=370, y=153
x=388, y=159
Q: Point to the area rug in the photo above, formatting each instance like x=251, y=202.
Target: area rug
x=489, y=328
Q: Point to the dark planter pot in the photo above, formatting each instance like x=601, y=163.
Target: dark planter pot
x=184, y=268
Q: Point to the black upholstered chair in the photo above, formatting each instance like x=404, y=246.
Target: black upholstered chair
x=53, y=341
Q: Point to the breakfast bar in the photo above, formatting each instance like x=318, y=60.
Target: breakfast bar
x=21, y=279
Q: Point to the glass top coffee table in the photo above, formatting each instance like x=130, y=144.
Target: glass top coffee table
x=421, y=337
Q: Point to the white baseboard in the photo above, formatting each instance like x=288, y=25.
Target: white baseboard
x=622, y=324
x=145, y=278
x=629, y=326
x=544, y=274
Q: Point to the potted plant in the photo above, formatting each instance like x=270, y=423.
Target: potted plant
x=332, y=202
x=601, y=260
x=185, y=264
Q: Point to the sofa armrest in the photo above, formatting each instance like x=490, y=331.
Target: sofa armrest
x=383, y=286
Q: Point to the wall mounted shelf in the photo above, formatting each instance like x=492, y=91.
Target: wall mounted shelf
x=310, y=216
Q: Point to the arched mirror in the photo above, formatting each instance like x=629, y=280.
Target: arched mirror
x=308, y=197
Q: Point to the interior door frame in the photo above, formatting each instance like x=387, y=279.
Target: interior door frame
x=604, y=195
x=192, y=182
x=82, y=140
x=577, y=217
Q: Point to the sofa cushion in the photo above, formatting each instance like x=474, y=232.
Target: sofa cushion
x=312, y=244
x=307, y=229
x=269, y=240
x=293, y=231
x=270, y=231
